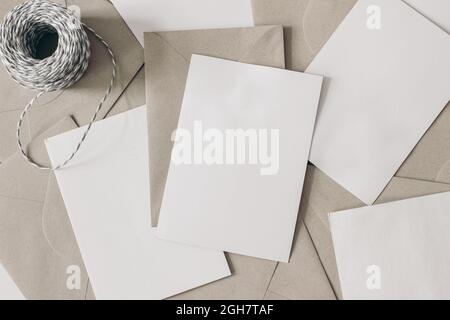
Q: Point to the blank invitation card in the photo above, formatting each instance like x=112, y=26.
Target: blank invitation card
x=386, y=80
x=106, y=192
x=398, y=250
x=239, y=158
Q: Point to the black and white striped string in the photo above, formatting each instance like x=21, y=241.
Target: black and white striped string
x=21, y=31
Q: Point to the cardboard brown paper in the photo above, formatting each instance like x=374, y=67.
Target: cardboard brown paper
x=8, y=127
x=304, y=278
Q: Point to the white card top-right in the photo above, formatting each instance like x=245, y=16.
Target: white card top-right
x=386, y=80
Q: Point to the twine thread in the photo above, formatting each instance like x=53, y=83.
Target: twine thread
x=20, y=33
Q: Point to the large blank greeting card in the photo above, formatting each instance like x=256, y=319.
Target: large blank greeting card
x=8, y=289
x=398, y=250
x=386, y=80
x=106, y=192
x=239, y=158
x=174, y=15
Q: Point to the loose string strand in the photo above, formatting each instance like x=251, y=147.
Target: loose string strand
x=89, y=126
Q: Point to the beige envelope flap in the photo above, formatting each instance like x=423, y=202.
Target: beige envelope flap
x=304, y=277
x=322, y=196
x=274, y=296
x=321, y=19
x=430, y=159
x=20, y=179
x=167, y=57
x=308, y=24
x=8, y=126
x=132, y=97
x=39, y=270
x=56, y=223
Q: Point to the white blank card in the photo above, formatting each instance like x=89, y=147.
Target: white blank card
x=260, y=118
x=386, y=80
x=106, y=192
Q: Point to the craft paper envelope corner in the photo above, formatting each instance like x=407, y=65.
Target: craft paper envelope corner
x=307, y=25
x=106, y=193
x=164, y=15
x=304, y=277
x=406, y=258
x=385, y=83
x=167, y=57
x=247, y=207
x=37, y=246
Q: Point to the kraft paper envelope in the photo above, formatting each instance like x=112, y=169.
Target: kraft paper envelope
x=105, y=190
x=239, y=202
x=171, y=15
x=375, y=108
x=167, y=58
x=322, y=196
x=8, y=289
x=8, y=128
x=81, y=99
x=38, y=250
x=304, y=277
x=397, y=250
x=308, y=24
x=132, y=97
x=273, y=296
